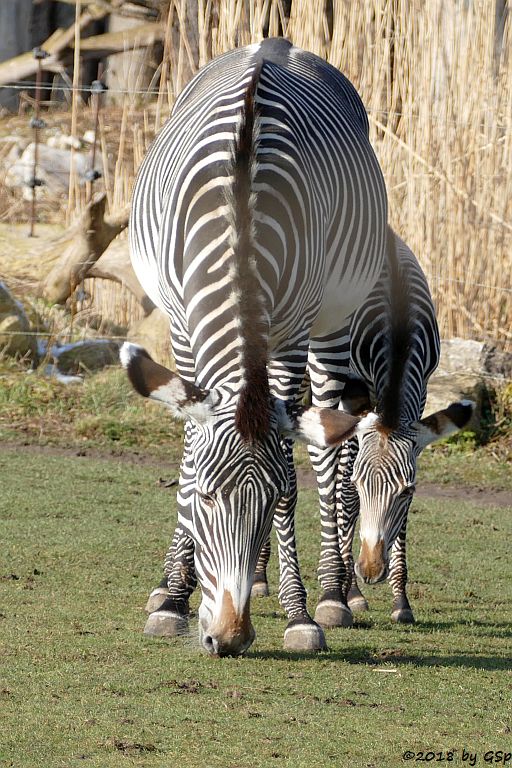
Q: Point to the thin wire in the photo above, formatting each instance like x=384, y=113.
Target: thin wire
x=31, y=84
x=464, y=282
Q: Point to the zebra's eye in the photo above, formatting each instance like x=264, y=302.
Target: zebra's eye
x=408, y=491
x=206, y=498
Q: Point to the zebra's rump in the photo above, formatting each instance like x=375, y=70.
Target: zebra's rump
x=318, y=207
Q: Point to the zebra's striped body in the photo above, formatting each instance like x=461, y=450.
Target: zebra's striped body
x=258, y=225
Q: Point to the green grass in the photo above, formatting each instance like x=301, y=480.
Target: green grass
x=82, y=544
x=105, y=414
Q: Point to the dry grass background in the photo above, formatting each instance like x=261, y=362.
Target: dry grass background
x=436, y=79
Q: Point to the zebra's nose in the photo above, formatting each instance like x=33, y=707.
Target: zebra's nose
x=232, y=646
x=211, y=645
x=372, y=565
x=230, y=632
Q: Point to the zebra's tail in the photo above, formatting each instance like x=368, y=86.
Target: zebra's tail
x=252, y=417
x=400, y=336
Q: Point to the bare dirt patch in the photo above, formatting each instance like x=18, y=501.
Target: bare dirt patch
x=483, y=497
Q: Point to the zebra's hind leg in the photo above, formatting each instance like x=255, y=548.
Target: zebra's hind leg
x=260, y=583
x=402, y=611
x=302, y=633
x=170, y=618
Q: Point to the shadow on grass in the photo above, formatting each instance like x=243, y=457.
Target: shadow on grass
x=465, y=661
x=491, y=628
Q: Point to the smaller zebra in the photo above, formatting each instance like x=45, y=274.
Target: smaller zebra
x=373, y=475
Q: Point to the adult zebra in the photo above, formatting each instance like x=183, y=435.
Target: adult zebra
x=391, y=347
x=258, y=225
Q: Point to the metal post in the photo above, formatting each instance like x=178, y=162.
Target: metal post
x=97, y=90
x=36, y=124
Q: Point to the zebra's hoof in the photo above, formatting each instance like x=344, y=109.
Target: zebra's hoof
x=358, y=604
x=166, y=624
x=403, y=616
x=260, y=589
x=157, y=598
x=304, y=636
x=332, y=613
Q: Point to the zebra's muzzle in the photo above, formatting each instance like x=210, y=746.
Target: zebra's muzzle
x=372, y=565
x=229, y=633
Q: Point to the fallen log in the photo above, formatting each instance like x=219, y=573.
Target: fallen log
x=83, y=245
x=115, y=265
x=108, y=43
x=25, y=65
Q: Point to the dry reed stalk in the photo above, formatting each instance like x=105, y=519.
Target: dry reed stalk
x=440, y=102
x=107, y=181
x=164, y=71
x=74, y=113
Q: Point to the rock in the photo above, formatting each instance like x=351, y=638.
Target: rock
x=497, y=363
x=63, y=141
x=152, y=333
x=90, y=355
x=53, y=167
x=467, y=369
x=15, y=336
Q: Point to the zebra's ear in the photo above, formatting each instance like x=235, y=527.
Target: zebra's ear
x=322, y=427
x=356, y=396
x=443, y=423
x=150, y=379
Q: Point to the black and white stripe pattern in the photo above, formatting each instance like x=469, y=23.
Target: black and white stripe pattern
x=377, y=468
x=294, y=259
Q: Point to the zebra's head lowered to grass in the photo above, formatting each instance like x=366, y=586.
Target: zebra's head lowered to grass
x=384, y=477
x=394, y=350
x=238, y=484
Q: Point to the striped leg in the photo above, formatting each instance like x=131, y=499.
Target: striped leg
x=402, y=612
x=326, y=369
x=348, y=512
x=302, y=633
x=170, y=618
x=331, y=610
x=260, y=584
x=180, y=554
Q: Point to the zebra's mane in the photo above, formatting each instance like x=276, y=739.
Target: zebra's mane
x=400, y=338
x=252, y=418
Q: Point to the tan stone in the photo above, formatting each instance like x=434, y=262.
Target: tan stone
x=152, y=333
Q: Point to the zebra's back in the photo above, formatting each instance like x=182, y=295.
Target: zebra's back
x=319, y=206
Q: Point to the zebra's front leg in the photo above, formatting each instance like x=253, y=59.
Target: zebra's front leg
x=302, y=633
x=170, y=616
x=347, y=504
x=332, y=609
x=260, y=583
x=173, y=568
x=402, y=611
x=356, y=601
